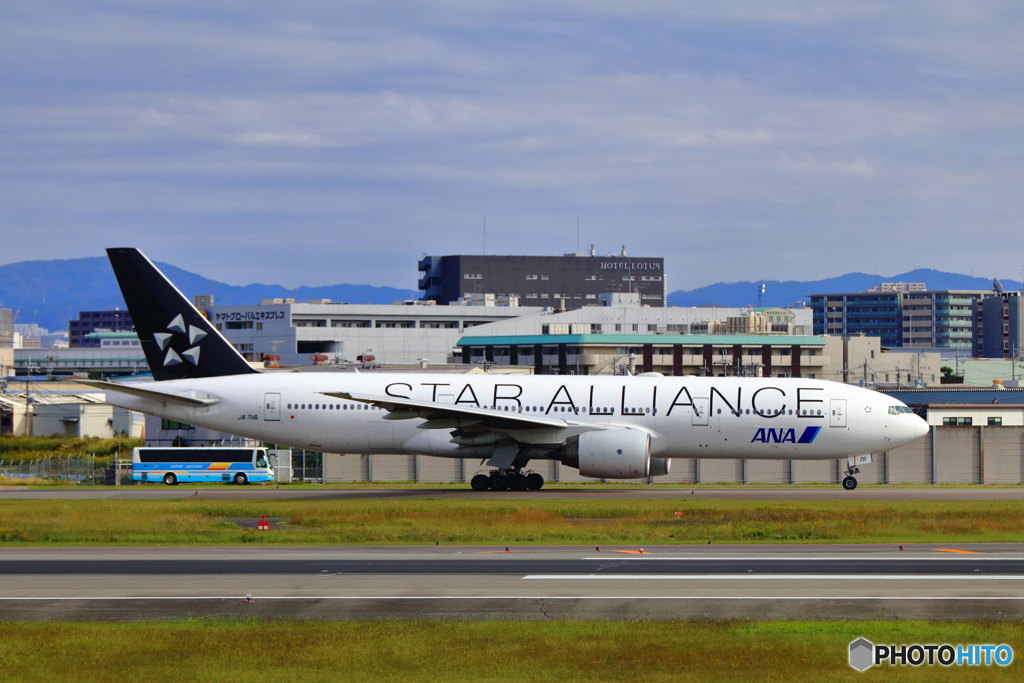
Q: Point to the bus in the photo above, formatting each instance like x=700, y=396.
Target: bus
x=174, y=465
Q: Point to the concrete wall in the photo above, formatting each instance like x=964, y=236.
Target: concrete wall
x=952, y=455
x=1002, y=455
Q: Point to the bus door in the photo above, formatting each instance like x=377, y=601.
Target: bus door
x=272, y=407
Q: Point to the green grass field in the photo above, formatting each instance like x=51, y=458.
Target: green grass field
x=491, y=651
x=496, y=522
x=31, y=447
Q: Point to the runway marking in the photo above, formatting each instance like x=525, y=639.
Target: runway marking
x=776, y=577
x=953, y=550
x=257, y=598
x=815, y=558
x=502, y=552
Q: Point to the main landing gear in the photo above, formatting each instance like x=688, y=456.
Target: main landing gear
x=514, y=479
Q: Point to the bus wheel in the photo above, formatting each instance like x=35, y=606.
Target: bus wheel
x=241, y=479
x=170, y=479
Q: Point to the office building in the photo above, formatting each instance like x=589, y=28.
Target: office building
x=907, y=318
x=1002, y=326
x=562, y=282
x=91, y=321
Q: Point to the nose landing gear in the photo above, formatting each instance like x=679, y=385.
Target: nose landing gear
x=849, y=481
x=514, y=478
x=853, y=464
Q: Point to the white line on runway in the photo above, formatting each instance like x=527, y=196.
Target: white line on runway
x=759, y=577
x=256, y=598
x=646, y=557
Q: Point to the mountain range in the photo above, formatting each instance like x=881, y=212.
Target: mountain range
x=782, y=293
x=49, y=293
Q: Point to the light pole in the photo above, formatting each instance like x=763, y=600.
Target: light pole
x=28, y=398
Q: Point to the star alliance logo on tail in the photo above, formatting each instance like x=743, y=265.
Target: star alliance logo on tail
x=786, y=435
x=177, y=327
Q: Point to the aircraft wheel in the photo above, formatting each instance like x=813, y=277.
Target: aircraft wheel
x=170, y=479
x=480, y=482
x=517, y=482
x=241, y=479
x=849, y=483
x=534, y=481
x=499, y=482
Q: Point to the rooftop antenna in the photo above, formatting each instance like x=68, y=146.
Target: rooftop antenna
x=997, y=286
x=485, y=234
x=760, y=293
x=577, y=235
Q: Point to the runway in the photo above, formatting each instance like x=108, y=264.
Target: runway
x=161, y=492
x=983, y=581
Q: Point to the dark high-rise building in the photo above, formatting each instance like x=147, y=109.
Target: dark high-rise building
x=570, y=281
x=90, y=321
x=1002, y=326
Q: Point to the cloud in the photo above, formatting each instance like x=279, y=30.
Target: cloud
x=761, y=132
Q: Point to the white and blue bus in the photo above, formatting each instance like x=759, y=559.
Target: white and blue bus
x=173, y=465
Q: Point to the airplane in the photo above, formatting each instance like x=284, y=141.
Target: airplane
x=610, y=427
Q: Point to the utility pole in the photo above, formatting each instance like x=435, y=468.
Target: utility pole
x=28, y=399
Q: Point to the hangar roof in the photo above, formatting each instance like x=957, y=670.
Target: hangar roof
x=640, y=339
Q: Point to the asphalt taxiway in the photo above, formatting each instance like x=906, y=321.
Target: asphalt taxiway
x=979, y=581
x=161, y=492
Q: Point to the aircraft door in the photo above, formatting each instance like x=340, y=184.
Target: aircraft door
x=272, y=407
x=837, y=414
x=701, y=412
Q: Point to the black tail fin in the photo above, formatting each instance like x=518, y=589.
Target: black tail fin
x=178, y=340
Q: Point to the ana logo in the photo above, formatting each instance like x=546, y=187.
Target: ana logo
x=785, y=435
x=177, y=327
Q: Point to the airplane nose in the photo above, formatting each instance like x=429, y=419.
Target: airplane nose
x=920, y=427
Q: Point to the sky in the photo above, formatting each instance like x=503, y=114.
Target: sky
x=313, y=143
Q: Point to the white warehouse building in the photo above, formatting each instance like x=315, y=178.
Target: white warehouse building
x=329, y=333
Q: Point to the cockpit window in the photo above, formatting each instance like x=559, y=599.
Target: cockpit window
x=896, y=410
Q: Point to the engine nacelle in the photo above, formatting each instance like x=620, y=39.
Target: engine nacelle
x=659, y=467
x=610, y=454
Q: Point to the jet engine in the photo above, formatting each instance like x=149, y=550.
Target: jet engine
x=610, y=454
x=659, y=467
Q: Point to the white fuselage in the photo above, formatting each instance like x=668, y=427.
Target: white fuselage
x=686, y=417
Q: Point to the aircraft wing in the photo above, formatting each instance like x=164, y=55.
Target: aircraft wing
x=151, y=394
x=460, y=415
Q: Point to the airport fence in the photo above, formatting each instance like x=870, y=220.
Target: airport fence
x=80, y=469
x=87, y=469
